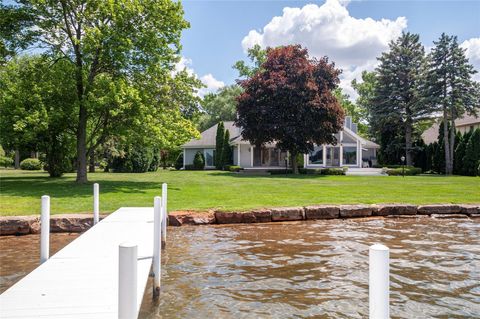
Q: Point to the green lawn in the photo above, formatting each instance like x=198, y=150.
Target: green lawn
x=20, y=191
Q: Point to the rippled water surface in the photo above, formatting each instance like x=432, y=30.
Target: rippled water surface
x=315, y=269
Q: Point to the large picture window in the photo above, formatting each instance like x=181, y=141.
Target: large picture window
x=210, y=157
x=349, y=155
x=316, y=157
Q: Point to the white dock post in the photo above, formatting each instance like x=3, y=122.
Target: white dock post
x=164, y=214
x=379, y=282
x=96, y=203
x=157, y=250
x=127, y=281
x=45, y=229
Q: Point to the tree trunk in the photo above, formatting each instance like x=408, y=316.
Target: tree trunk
x=293, y=156
x=408, y=143
x=91, y=165
x=17, y=159
x=449, y=169
x=446, y=143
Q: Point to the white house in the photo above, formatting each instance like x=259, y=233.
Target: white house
x=351, y=150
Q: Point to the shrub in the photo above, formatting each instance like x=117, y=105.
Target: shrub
x=190, y=167
x=179, y=161
x=409, y=171
x=137, y=159
x=31, y=164
x=334, y=171
x=6, y=161
x=232, y=168
x=199, y=161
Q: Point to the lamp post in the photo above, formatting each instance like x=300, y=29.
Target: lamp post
x=403, y=165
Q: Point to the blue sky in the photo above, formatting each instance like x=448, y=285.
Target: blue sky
x=349, y=32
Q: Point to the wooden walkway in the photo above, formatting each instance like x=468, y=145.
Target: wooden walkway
x=81, y=280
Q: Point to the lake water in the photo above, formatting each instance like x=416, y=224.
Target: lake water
x=297, y=270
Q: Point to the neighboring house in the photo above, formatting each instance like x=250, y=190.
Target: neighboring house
x=462, y=125
x=351, y=150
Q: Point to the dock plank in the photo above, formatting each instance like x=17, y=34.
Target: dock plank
x=81, y=280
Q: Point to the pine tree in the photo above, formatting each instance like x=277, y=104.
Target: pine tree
x=449, y=89
x=472, y=154
x=219, y=145
x=397, y=95
x=227, y=150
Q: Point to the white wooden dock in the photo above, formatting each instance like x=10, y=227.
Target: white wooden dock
x=81, y=280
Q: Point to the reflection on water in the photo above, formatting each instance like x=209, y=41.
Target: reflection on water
x=19, y=255
x=295, y=270
x=318, y=269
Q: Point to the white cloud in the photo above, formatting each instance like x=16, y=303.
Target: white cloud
x=353, y=44
x=212, y=84
x=472, y=47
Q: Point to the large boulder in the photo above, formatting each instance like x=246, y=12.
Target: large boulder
x=254, y=216
x=322, y=212
x=348, y=211
x=469, y=209
x=439, y=209
x=287, y=213
x=395, y=209
x=16, y=225
x=179, y=218
x=70, y=223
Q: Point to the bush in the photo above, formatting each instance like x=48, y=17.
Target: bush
x=199, y=161
x=409, y=171
x=179, y=161
x=137, y=159
x=6, y=161
x=190, y=167
x=312, y=171
x=232, y=168
x=31, y=164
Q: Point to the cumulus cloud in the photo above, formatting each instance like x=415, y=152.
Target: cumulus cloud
x=472, y=51
x=352, y=43
x=212, y=84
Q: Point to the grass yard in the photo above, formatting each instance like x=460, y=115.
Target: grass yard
x=20, y=191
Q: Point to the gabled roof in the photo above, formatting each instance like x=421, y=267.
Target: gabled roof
x=208, y=137
x=363, y=141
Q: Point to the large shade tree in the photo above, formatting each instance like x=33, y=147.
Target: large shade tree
x=134, y=41
x=289, y=101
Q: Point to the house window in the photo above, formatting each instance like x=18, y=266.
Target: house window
x=349, y=155
x=316, y=157
x=209, y=157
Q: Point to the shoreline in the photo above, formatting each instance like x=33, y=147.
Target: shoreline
x=77, y=223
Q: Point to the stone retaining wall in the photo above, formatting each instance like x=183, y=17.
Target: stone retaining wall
x=68, y=223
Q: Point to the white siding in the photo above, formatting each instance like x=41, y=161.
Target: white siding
x=245, y=156
x=190, y=154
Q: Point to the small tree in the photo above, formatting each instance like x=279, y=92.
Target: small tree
x=227, y=150
x=459, y=153
x=289, y=101
x=219, y=145
x=199, y=161
x=472, y=154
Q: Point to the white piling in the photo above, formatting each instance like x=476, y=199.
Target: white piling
x=127, y=281
x=164, y=214
x=96, y=203
x=45, y=229
x=157, y=250
x=379, y=282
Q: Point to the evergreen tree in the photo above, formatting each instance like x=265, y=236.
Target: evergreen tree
x=449, y=89
x=428, y=157
x=227, y=150
x=397, y=94
x=459, y=153
x=472, y=154
x=219, y=145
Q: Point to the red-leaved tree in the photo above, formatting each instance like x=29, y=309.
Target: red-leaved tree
x=290, y=102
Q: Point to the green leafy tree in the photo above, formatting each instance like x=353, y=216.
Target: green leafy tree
x=358, y=114
x=472, y=154
x=257, y=57
x=219, y=139
x=199, y=161
x=290, y=102
x=112, y=39
x=449, y=89
x=397, y=93
x=219, y=106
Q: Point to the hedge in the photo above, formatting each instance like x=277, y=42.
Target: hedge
x=233, y=168
x=31, y=164
x=6, y=161
x=408, y=171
